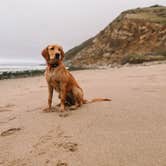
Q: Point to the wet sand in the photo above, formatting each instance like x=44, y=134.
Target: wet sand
x=128, y=131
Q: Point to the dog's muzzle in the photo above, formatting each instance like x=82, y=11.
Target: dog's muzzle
x=57, y=56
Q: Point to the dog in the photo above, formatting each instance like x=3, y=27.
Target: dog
x=61, y=80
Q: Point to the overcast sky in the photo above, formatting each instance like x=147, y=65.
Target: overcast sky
x=29, y=25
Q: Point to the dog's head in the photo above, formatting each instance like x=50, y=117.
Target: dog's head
x=53, y=54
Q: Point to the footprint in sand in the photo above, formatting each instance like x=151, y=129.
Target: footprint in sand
x=12, y=118
x=9, y=119
x=5, y=108
x=2, y=162
x=34, y=109
x=9, y=105
x=42, y=86
x=64, y=114
x=70, y=146
x=10, y=131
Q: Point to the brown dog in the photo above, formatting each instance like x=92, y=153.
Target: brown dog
x=60, y=79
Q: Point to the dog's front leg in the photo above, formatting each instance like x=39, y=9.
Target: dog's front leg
x=50, y=94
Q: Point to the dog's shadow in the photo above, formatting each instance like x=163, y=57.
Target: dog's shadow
x=56, y=109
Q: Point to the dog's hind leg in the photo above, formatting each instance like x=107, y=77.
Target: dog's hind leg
x=70, y=100
x=78, y=98
x=63, y=94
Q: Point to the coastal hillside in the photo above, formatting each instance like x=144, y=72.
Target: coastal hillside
x=135, y=36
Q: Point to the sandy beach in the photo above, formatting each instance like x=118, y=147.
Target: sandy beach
x=128, y=131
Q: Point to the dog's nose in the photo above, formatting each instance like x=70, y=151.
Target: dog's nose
x=57, y=55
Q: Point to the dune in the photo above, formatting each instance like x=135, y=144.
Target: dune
x=129, y=130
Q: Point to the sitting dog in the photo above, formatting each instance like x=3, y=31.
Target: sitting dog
x=62, y=81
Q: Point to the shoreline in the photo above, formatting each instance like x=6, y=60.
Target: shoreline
x=38, y=72
x=21, y=74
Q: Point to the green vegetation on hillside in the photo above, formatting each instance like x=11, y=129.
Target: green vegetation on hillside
x=136, y=58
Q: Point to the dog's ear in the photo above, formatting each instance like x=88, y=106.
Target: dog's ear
x=62, y=52
x=45, y=54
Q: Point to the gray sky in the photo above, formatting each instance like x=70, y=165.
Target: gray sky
x=29, y=25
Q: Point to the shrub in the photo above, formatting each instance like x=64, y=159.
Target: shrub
x=139, y=58
x=133, y=59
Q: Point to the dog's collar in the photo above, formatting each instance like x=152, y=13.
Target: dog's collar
x=54, y=65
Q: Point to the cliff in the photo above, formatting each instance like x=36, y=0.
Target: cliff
x=135, y=36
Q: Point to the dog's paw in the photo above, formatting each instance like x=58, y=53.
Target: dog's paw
x=52, y=109
x=46, y=110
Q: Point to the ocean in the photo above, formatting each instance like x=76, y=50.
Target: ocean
x=12, y=70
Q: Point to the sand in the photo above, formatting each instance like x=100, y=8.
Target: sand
x=129, y=131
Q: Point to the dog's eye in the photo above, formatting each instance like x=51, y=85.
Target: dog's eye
x=52, y=48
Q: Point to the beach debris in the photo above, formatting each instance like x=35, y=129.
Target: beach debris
x=10, y=131
x=60, y=163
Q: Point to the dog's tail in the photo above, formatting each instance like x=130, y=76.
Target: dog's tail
x=96, y=100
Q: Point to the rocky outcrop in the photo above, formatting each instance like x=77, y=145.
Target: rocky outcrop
x=135, y=32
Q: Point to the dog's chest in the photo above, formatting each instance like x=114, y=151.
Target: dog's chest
x=52, y=78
